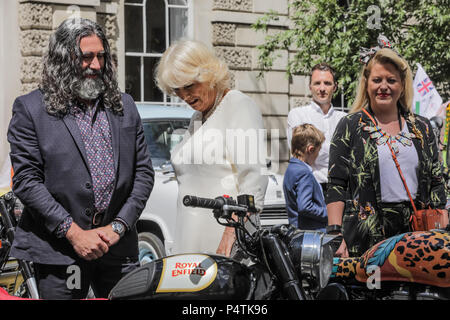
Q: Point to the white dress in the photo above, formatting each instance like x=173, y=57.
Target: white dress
x=216, y=158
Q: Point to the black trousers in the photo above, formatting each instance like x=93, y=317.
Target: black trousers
x=62, y=282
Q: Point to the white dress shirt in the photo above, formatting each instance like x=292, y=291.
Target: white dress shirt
x=326, y=123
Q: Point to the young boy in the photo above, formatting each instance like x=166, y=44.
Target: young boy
x=305, y=203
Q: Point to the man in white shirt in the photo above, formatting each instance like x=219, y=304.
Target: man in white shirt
x=320, y=113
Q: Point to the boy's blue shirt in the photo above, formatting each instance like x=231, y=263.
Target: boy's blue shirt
x=305, y=203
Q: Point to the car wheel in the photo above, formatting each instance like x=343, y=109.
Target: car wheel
x=150, y=247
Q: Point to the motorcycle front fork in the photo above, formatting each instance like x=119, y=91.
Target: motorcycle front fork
x=28, y=277
x=284, y=269
x=24, y=266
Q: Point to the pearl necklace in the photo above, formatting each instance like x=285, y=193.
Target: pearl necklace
x=213, y=108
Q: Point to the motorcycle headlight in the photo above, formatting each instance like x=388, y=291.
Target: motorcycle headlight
x=312, y=254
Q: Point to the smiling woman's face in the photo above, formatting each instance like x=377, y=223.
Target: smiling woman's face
x=384, y=86
x=199, y=95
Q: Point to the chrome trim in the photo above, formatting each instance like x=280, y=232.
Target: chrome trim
x=311, y=248
x=32, y=287
x=317, y=257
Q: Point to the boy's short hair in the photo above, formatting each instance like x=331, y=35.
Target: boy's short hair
x=304, y=135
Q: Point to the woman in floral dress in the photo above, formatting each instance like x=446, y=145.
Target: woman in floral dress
x=366, y=195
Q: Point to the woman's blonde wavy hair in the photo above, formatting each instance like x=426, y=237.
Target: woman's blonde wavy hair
x=384, y=56
x=189, y=61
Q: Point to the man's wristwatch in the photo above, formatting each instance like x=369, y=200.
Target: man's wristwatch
x=118, y=227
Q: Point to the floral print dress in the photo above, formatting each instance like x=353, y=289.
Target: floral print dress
x=354, y=178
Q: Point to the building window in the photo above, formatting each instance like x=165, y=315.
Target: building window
x=150, y=27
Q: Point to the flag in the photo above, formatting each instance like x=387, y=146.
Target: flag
x=427, y=101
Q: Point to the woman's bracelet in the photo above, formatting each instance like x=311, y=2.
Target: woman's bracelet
x=334, y=229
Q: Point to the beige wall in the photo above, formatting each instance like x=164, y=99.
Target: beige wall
x=9, y=75
x=201, y=21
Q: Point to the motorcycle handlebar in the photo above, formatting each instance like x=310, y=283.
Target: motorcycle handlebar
x=193, y=201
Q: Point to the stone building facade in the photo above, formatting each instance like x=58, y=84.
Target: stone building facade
x=225, y=25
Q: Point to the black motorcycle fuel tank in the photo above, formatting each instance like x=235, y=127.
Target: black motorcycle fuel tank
x=186, y=276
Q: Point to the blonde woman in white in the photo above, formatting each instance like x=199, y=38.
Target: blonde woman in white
x=221, y=152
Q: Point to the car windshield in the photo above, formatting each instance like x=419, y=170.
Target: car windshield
x=162, y=136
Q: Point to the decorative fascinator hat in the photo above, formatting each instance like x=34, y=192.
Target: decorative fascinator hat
x=366, y=54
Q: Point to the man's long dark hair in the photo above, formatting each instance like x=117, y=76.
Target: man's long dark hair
x=62, y=68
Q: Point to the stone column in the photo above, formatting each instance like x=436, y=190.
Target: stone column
x=35, y=22
x=9, y=81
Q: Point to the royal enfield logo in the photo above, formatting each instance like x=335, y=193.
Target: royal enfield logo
x=188, y=268
x=187, y=273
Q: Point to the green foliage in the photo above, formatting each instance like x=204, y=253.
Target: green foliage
x=333, y=31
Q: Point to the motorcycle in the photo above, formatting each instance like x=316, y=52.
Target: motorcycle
x=285, y=263
x=17, y=274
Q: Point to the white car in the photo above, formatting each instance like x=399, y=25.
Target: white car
x=164, y=127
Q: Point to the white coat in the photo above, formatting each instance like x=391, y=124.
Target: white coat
x=220, y=156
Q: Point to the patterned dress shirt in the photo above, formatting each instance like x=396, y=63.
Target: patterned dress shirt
x=96, y=135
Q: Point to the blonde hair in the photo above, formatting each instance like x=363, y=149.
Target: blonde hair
x=304, y=135
x=384, y=56
x=189, y=61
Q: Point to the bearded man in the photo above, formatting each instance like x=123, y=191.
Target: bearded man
x=81, y=168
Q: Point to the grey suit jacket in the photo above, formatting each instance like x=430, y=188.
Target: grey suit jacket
x=52, y=178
